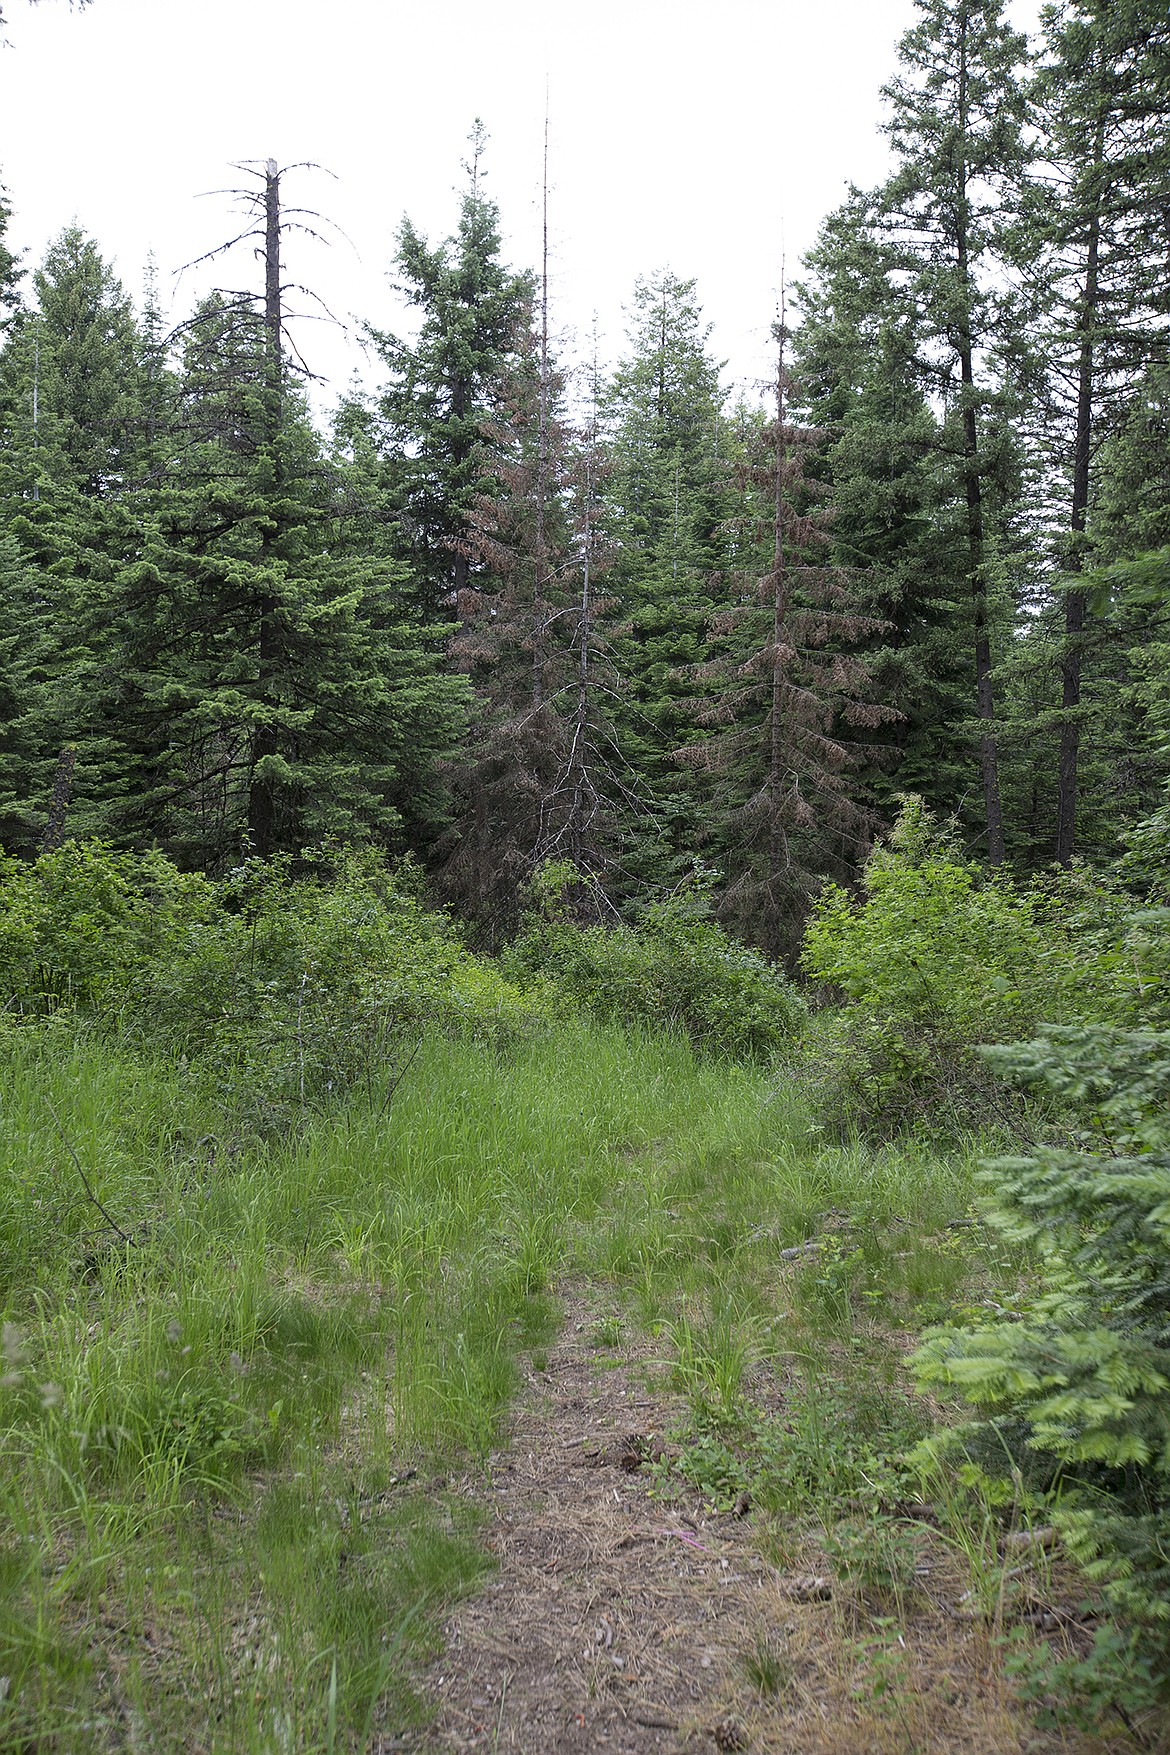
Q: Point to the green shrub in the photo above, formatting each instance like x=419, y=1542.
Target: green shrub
x=80, y=926
x=1079, y=1373
x=676, y=969
x=937, y=957
x=286, y=990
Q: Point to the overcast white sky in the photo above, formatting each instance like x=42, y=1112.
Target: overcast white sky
x=707, y=138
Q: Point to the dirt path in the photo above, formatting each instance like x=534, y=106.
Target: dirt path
x=623, y=1622
x=615, y=1621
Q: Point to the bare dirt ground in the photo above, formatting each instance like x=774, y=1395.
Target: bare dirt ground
x=623, y=1621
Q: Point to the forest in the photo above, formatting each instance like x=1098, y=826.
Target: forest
x=553, y=875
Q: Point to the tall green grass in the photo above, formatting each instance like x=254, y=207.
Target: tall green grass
x=225, y=1439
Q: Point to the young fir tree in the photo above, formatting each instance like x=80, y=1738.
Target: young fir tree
x=790, y=696
x=443, y=383
x=668, y=497
x=956, y=129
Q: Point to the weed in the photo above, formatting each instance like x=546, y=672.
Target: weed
x=876, y=1560
x=607, y=1333
x=767, y=1664
x=883, y=1678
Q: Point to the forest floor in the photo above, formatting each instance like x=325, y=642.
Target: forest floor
x=629, y=1613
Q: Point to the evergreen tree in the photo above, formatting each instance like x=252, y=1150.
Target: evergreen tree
x=68, y=405
x=1131, y=511
x=668, y=495
x=11, y=273
x=442, y=383
x=69, y=378
x=254, y=650
x=26, y=702
x=664, y=408
x=883, y=463
x=259, y=683
x=956, y=128
x=1089, y=247
x=538, y=779
x=791, y=694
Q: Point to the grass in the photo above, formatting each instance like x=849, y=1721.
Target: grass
x=228, y=1440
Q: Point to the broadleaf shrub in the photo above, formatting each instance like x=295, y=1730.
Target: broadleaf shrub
x=937, y=957
x=676, y=969
x=284, y=990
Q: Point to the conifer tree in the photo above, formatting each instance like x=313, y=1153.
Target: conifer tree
x=668, y=496
x=443, y=384
x=956, y=128
x=266, y=686
x=535, y=781
x=69, y=376
x=1089, y=246
x=884, y=463
x=10, y=270
x=68, y=408
x=790, y=696
x=27, y=705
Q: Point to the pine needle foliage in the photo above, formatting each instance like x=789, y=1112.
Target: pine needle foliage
x=786, y=694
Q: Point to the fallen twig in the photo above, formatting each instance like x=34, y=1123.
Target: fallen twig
x=400, y=1075
x=106, y=1214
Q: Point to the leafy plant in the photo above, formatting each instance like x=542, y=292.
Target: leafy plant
x=938, y=957
x=677, y=968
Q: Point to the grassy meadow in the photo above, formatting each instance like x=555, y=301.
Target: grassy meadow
x=229, y=1430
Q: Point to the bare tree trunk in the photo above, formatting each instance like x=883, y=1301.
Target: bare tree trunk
x=261, y=787
x=540, y=559
x=777, y=848
x=54, y=833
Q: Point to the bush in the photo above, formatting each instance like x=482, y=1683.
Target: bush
x=938, y=957
x=676, y=969
x=81, y=925
x=285, y=990
x=1081, y=1371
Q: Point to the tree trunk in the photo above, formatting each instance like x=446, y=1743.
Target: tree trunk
x=988, y=750
x=54, y=833
x=540, y=563
x=777, y=848
x=1076, y=600
x=261, y=786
